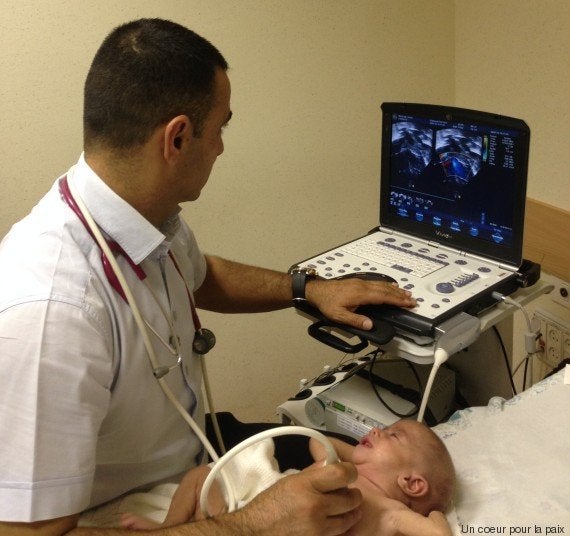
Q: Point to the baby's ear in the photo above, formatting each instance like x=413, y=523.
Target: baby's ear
x=413, y=485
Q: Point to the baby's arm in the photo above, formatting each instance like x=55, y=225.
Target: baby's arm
x=406, y=522
x=184, y=506
x=343, y=450
x=185, y=500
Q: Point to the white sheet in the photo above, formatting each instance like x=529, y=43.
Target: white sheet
x=513, y=463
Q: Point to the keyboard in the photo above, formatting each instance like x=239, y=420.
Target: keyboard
x=402, y=257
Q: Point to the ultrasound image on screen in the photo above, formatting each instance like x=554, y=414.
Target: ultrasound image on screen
x=459, y=154
x=454, y=177
x=413, y=145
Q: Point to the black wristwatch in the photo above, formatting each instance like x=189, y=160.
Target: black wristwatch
x=299, y=278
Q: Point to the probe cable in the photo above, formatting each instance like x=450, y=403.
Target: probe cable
x=331, y=457
x=440, y=356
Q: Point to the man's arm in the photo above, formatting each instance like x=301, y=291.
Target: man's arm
x=231, y=287
x=315, y=501
x=51, y=527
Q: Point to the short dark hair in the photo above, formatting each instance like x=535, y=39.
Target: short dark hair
x=144, y=73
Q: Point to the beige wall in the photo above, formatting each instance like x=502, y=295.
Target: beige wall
x=300, y=171
x=513, y=57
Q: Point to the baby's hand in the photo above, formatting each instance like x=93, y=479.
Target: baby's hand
x=133, y=522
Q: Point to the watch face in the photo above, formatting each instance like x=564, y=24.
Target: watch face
x=306, y=271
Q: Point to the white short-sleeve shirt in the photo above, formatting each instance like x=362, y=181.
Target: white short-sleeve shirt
x=82, y=418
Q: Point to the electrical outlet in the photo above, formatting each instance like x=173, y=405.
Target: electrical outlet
x=553, y=350
x=566, y=346
x=555, y=337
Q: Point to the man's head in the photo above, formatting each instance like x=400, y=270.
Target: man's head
x=412, y=459
x=145, y=73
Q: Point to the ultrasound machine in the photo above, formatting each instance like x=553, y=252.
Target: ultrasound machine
x=452, y=203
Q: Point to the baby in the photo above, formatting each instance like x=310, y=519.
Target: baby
x=405, y=475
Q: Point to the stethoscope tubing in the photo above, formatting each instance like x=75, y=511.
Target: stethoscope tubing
x=130, y=299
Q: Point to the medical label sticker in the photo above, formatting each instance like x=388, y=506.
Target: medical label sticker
x=351, y=425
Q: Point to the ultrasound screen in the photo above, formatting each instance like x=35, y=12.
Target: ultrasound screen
x=455, y=178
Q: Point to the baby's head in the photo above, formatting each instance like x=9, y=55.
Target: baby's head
x=409, y=462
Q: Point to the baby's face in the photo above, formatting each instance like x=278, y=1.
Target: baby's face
x=389, y=450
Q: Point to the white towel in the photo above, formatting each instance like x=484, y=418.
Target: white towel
x=250, y=472
x=253, y=470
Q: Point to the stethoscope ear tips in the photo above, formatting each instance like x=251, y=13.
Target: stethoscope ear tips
x=204, y=341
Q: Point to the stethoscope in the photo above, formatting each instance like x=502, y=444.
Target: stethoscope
x=204, y=339
x=203, y=342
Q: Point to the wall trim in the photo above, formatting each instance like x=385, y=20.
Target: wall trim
x=547, y=237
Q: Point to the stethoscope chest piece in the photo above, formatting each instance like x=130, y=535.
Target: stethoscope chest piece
x=204, y=341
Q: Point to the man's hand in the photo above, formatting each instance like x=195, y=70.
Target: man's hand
x=315, y=501
x=338, y=300
x=231, y=287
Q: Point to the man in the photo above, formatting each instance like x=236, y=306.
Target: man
x=83, y=418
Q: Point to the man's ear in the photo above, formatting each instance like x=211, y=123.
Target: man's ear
x=176, y=132
x=413, y=485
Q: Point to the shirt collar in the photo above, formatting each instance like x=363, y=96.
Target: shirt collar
x=120, y=221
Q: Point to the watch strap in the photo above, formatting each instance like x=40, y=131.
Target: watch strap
x=299, y=278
